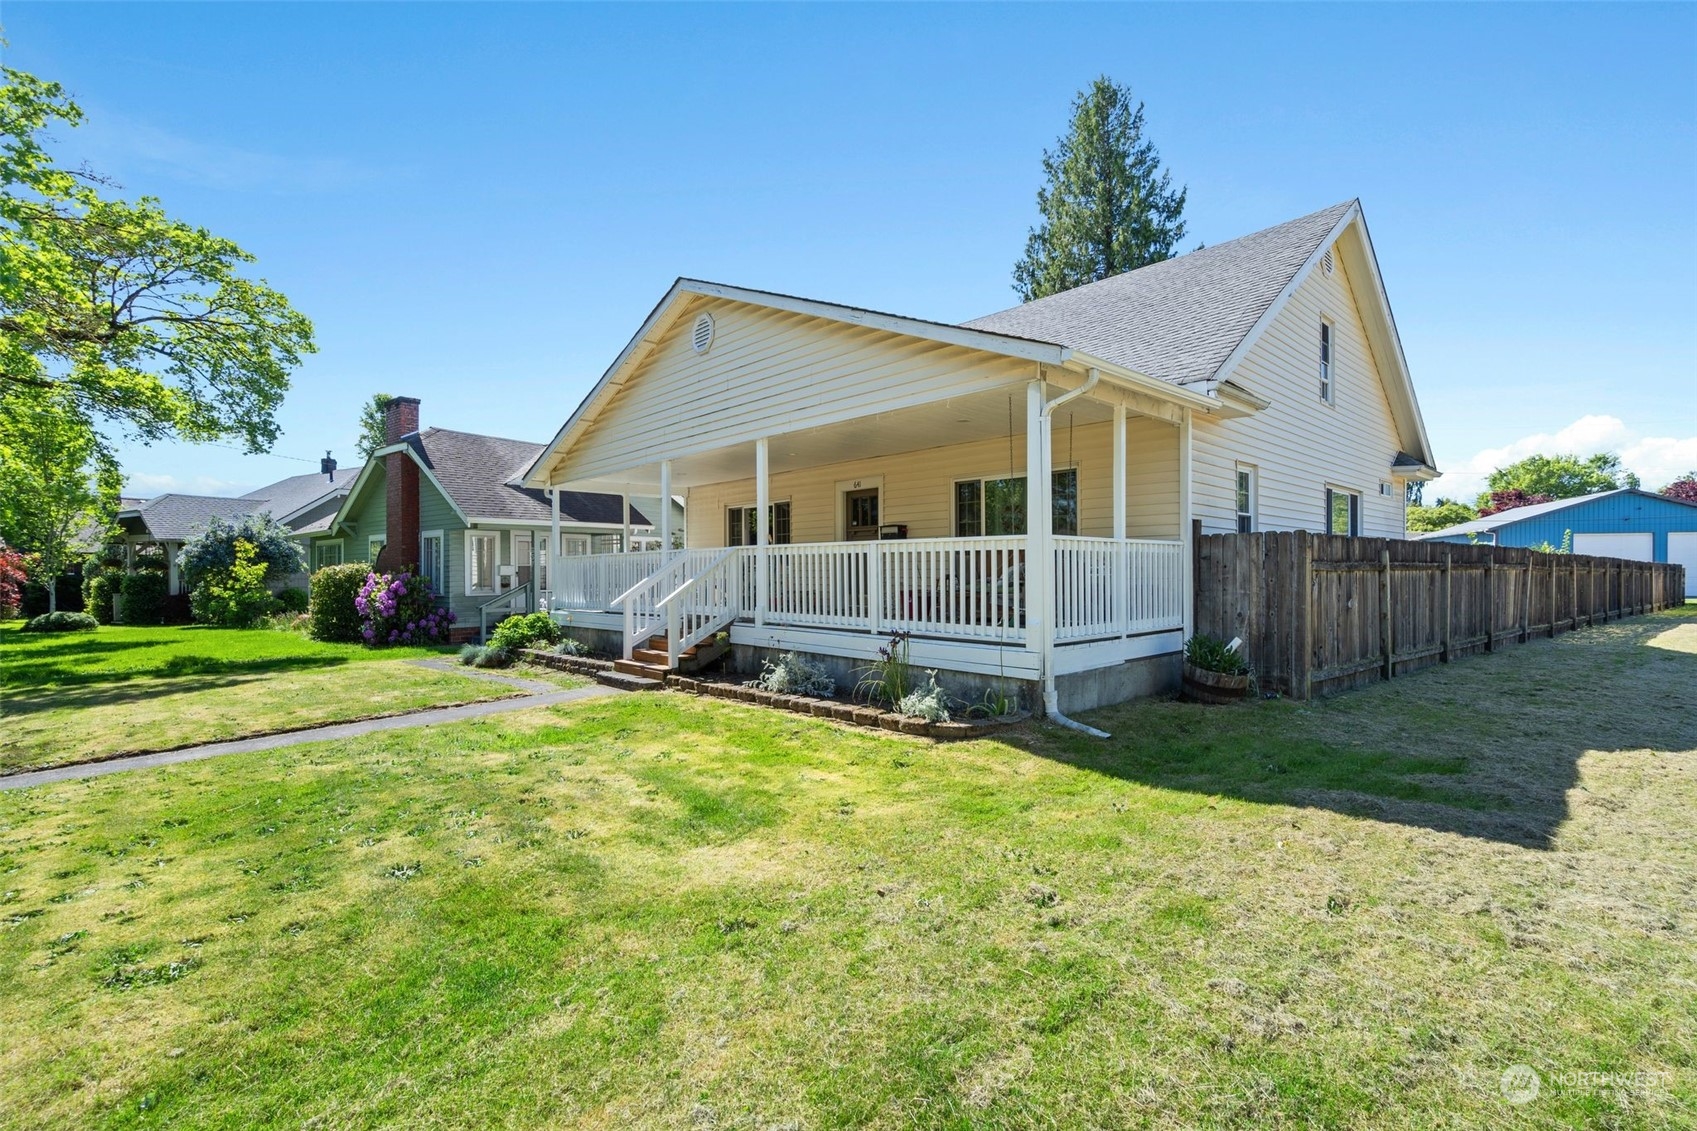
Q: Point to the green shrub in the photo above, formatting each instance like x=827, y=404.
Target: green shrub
x=485, y=656
x=1212, y=654
x=97, y=593
x=234, y=596
x=61, y=622
x=334, y=589
x=214, y=549
x=293, y=599
x=522, y=632
x=141, y=597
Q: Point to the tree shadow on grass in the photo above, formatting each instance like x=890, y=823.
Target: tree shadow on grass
x=1487, y=747
x=181, y=674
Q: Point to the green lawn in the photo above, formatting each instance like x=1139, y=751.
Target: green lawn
x=73, y=697
x=664, y=911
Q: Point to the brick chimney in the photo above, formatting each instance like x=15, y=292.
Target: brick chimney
x=400, y=543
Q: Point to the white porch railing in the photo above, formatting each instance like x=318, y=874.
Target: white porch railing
x=953, y=588
x=1108, y=588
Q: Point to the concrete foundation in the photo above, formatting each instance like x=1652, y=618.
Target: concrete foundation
x=1135, y=679
x=599, y=641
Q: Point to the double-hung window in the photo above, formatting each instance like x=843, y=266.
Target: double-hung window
x=996, y=507
x=328, y=553
x=1343, y=512
x=1245, y=499
x=742, y=531
x=431, y=560
x=1326, y=385
x=481, y=552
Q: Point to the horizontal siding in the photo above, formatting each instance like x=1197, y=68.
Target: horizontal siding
x=1298, y=444
x=918, y=487
x=768, y=365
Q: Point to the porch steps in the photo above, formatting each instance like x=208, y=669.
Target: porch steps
x=625, y=681
x=651, y=660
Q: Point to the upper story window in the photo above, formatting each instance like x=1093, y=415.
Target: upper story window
x=1326, y=361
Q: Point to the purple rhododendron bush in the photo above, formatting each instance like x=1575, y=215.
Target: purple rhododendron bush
x=399, y=608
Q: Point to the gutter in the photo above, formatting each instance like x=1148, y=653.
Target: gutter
x=1051, y=698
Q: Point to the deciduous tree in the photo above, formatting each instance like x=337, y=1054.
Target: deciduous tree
x=373, y=433
x=136, y=319
x=1559, y=477
x=1683, y=488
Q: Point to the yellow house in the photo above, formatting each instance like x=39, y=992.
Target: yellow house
x=1254, y=385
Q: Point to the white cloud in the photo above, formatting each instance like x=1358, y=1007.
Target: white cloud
x=1657, y=460
x=117, y=139
x=143, y=484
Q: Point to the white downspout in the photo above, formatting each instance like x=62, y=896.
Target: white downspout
x=1045, y=528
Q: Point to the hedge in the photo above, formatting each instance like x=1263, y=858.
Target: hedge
x=332, y=610
x=141, y=598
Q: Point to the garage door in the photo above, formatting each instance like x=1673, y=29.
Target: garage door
x=1634, y=547
x=1682, y=550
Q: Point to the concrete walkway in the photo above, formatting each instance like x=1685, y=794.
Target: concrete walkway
x=541, y=695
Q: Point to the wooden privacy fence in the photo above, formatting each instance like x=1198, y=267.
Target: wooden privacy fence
x=1321, y=613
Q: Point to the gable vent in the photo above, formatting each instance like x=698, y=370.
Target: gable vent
x=701, y=337
x=1326, y=264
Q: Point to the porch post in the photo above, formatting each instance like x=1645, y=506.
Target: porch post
x=762, y=507
x=1122, y=552
x=1039, y=562
x=1187, y=533
x=665, y=506
x=553, y=541
x=624, y=510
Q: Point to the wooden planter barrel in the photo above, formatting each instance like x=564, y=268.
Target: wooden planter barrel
x=1214, y=687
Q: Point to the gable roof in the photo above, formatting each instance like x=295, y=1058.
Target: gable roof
x=479, y=476
x=289, y=496
x=1537, y=510
x=177, y=518
x=1180, y=319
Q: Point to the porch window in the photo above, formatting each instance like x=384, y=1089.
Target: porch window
x=741, y=531
x=573, y=546
x=1343, y=512
x=1245, y=499
x=609, y=543
x=327, y=554
x=431, y=560
x=996, y=507
x=480, y=553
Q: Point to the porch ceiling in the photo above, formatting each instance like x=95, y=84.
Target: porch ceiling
x=988, y=415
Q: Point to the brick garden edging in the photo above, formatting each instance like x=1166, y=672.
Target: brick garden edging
x=855, y=714
x=577, y=665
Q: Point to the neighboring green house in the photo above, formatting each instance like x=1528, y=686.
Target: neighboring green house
x=449, y=502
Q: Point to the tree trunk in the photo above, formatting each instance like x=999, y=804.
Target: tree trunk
x=52, y=594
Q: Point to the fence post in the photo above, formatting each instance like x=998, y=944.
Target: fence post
x=1302, y=612
x=1552, y=598
x=1526, y=600
x=1575, y=595
x=1490, y=601
x=1449, y=616
x=1386, y=644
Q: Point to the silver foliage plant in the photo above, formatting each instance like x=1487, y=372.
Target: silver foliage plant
x=790, y=674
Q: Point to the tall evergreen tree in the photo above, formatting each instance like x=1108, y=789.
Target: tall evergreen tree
x=1107, y=204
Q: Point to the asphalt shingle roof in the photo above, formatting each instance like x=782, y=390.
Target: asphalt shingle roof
x=286, y=496
x=1181, y=318
x=477, y=472
x=177, y=518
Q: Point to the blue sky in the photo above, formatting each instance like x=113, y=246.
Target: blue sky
x=478, y=204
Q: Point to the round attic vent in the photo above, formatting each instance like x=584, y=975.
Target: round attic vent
x=701, y=337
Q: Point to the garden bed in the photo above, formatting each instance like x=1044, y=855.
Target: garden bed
x=577, y=665
x=838, y=710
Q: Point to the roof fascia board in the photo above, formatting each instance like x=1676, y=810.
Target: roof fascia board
x=1278, y=304
x=1363, y=261
x=684, y=291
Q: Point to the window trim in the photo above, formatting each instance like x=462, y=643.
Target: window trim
x=471, y=538
x=321, y=545
x=1354, y=497
x=438, y=585
x=374, y=540
x=1252, y=494
x=1328, y=361
x=1076, y=468
x=771, y=534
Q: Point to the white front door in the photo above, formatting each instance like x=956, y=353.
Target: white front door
x=1682, y=550
x=1633, y=547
